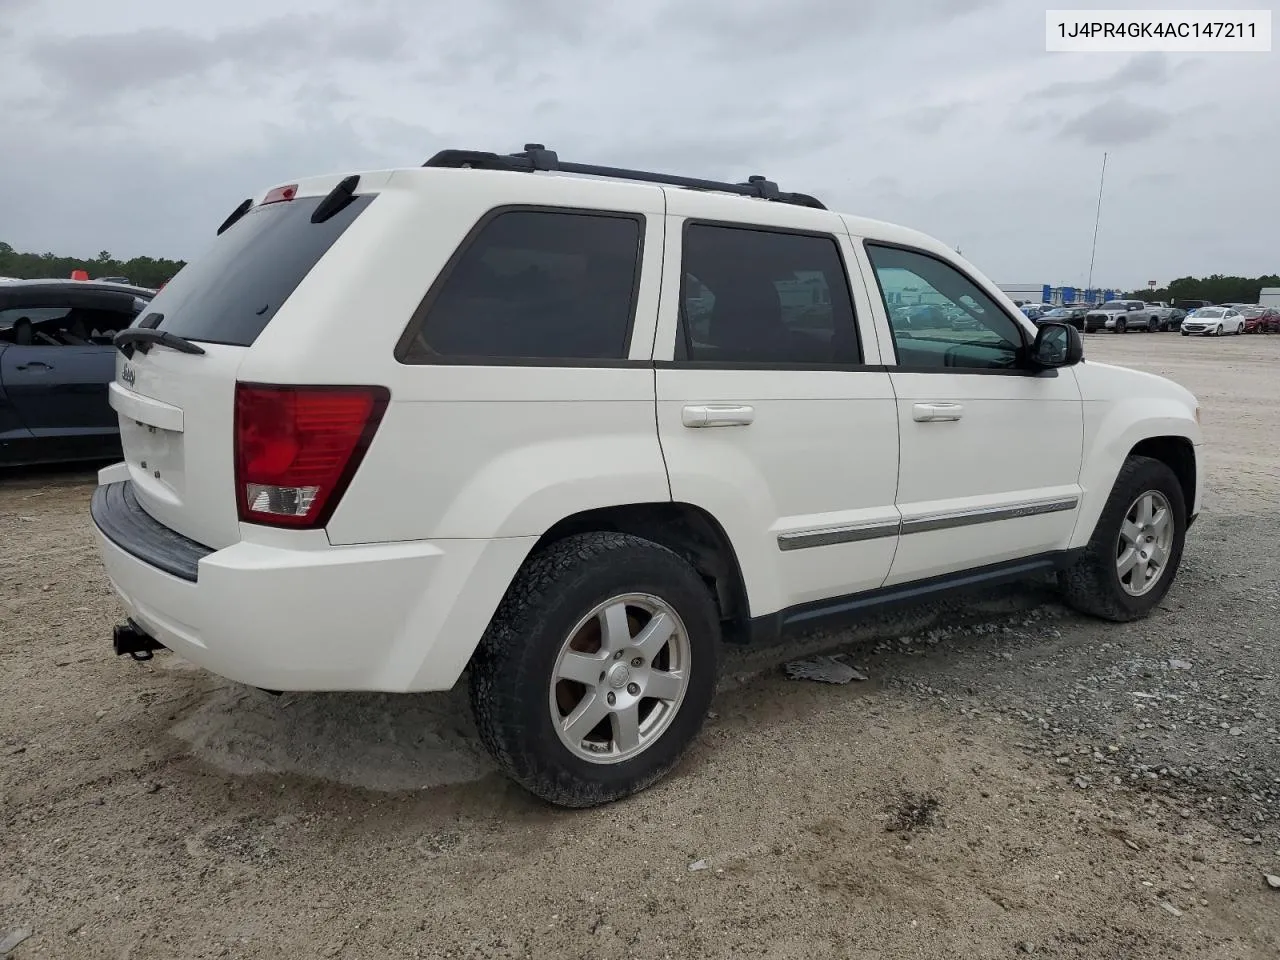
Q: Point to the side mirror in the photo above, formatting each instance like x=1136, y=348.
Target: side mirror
x=1057, y=345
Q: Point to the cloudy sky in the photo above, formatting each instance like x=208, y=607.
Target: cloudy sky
x=136, y=125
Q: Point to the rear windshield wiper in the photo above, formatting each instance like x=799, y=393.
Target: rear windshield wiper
x=337, y=199
x=142, y=339
x=236, y=214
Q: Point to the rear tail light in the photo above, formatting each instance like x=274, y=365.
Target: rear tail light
x=297, y=448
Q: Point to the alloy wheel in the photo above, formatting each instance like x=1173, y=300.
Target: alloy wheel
x=620, y=678
x=1145, y=543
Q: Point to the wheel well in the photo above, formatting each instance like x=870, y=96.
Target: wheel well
x=683, y=528
x=1179, y=455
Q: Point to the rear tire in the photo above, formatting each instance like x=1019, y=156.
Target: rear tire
x=585, y=599
x=1153, y=325
x=1094, y=584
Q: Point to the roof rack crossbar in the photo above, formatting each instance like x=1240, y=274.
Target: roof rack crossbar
x=537, y=157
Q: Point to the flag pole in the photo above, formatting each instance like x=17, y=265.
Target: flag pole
x=1096, y=220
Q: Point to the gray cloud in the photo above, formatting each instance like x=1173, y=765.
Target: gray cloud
x=1143, y=70
x=764, y=28
x=944, y=115
x=1156, y=179
x=9, y=10
x=1116, y=122
x=171, y=209
x=101, y=67
x=112, y=64
x=927, y=120
x=1035, y=120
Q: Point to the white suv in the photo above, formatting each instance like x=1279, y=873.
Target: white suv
x=571, y=431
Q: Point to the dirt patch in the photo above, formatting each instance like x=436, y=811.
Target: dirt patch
x=914, y=811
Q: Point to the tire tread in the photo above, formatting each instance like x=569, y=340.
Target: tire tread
x=497, y=699
x=1090, y=584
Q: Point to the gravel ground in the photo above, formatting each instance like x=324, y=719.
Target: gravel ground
x=1013, y=779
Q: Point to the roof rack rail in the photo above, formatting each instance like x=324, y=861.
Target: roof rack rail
x=535, y=156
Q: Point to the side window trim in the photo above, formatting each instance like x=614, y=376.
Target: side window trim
x=403, y=351
x=898, y=366
x=681, y=346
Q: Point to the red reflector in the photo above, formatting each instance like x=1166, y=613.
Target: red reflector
x=281, y=193
x=297, y=448
x=79, y=274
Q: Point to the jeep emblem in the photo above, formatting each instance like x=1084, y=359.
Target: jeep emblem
x=127, y=375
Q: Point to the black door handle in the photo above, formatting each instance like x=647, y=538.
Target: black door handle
x=35, y=365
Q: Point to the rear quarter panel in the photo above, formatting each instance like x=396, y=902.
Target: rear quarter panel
x=469, y=451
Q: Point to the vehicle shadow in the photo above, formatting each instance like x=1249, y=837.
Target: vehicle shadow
x=74, y=474
x=397, y=742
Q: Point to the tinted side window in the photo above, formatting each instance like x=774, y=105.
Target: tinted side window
x=536, y=284
x=939, y=317
x=755, y=295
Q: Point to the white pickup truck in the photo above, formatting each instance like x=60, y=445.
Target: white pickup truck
x=1124, y=316
x=562, y=429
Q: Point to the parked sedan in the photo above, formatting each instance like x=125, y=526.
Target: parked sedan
x=1072, y=314
x=1213, y=322
x=1259, y=319
x=56, y=360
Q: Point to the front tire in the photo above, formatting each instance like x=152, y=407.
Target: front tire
x=1133, y=556
x=597, y=670
x=1122, y=326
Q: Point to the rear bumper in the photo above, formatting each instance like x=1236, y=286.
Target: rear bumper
x=120, y=518
x=392, y=617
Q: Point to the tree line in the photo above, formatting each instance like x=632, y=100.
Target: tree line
x=1216, y=289
x=143, y=271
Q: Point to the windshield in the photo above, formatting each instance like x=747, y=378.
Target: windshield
x=1209, y=312
x=230, y=294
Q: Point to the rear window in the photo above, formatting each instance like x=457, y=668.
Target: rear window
x=230, y=294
